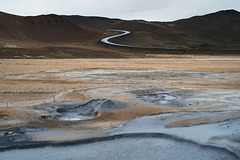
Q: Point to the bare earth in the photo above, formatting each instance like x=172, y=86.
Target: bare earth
x=202, y=81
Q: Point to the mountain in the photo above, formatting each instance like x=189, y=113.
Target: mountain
x=222, y=25
x=146, y=34
x=220, y=28
x=97, y=22
x=44, y=28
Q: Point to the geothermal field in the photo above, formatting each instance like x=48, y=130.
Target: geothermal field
x=76, y=87
x=164, y=107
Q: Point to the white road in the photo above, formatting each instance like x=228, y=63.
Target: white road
x=106, y=40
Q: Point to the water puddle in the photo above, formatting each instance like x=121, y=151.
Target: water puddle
x=142, y=148
x=73, y=117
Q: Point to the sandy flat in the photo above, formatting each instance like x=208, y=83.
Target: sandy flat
x=25, y=82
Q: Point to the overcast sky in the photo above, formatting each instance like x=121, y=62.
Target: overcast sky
x=158, y=10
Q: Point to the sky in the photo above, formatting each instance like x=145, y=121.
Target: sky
x=151, y=10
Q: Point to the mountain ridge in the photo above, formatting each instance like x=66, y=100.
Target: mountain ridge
x=43, y=29
x=219, y=30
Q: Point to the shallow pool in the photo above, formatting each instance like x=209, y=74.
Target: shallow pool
x=142, y=148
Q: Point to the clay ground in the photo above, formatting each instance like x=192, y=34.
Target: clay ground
x=203, y=82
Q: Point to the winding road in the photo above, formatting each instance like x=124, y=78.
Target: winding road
x=106, y=40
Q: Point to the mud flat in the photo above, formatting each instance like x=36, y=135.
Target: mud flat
x=195, y=98
x=224, y=133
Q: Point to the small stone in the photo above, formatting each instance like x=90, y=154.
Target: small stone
x=8, y=133
x=10, y=139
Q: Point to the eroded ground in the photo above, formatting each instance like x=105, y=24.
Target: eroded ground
x=81, y=98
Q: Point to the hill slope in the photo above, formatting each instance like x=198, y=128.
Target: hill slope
x=222, y=25
x=97, y=22
x=44, y=28
x=146, y=33
x=218, y=28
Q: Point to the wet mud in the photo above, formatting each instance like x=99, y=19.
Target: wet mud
x=133, y=105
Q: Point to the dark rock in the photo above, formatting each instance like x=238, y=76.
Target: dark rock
x=10, y=139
